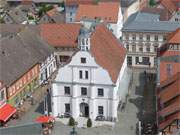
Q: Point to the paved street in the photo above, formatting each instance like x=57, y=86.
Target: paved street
x=34, y=111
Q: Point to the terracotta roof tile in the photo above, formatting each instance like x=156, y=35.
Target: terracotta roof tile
x=108, y=51
x=107, y=11
x=169, y=120
x=169, y=5
x=175, y=106
x=60, y=35
x=174, y=37
x=170, y=90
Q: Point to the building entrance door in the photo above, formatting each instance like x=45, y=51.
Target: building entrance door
x=84, y=109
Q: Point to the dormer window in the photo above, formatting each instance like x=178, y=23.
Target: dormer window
x=83, y=60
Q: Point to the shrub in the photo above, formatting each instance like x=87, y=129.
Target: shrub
x=71, y=122
x=89, y=123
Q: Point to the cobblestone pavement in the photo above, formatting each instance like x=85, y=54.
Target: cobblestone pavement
x=127, y=117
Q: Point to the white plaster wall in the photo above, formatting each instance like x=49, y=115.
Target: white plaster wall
x=176, y=17
x=50, y=65
x=68, y=10
x=98, y=78
x=130, y=10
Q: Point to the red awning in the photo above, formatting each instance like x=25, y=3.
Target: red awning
x=44, y=119
x=6, y=112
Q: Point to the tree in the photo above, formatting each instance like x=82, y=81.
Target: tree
x=71, y=122
x=89, y=123
x=152, y=3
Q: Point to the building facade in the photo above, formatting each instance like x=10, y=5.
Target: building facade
x=168, y=90
x=47, y=68
x=86, y=86
x=143, y=33
x=71, y=7
x=2, y=94
x=32, y=60
x=95, y=13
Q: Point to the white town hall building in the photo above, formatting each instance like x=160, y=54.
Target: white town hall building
x=88, y=85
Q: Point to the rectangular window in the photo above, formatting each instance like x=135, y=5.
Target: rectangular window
x=140, y=48
x=100, y=92
x=83, y=60
x=148, y=37
x=155, y=48
x=66, y=90
x=67, y=108
x=80, y=74
x=86, y=74
x=133, y=48
x=134, y=37
x=156, y=37
x=140, y=37
x=169, y=69
x=147, y=49
x=127, y=47
x=2, y=95
x=100, y=110
x=137, y=60
x=129, y=60
x=83, y=91
x=164, y=38
x=145, y=60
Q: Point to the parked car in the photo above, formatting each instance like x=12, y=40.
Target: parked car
x=100, y=118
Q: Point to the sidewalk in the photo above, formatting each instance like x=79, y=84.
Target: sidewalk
x=27, y=106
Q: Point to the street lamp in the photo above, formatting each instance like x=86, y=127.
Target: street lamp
x=73, y=132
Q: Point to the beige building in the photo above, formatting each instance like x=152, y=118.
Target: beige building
x=143, y=33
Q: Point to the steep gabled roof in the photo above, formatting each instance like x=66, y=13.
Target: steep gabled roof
x=60, y=35
x=169, y=5
x=19, y=53
x=169, y=120
x=107, y=11
x=170, y=88
x=108, y=51
x=174, y=37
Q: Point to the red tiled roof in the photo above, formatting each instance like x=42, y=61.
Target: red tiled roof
x=171, y=88
x=174, y=37
x=108, y=51
x=6, y=112
x=107, y=11
x=175, y=106
x=169, y=5
x=77, y=2
x=60, y=35
x=169, y=120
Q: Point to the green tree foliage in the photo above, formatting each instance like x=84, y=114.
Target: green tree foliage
x=44, y=8
x=71, y=122
x=152, y=3
x=89, y=123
